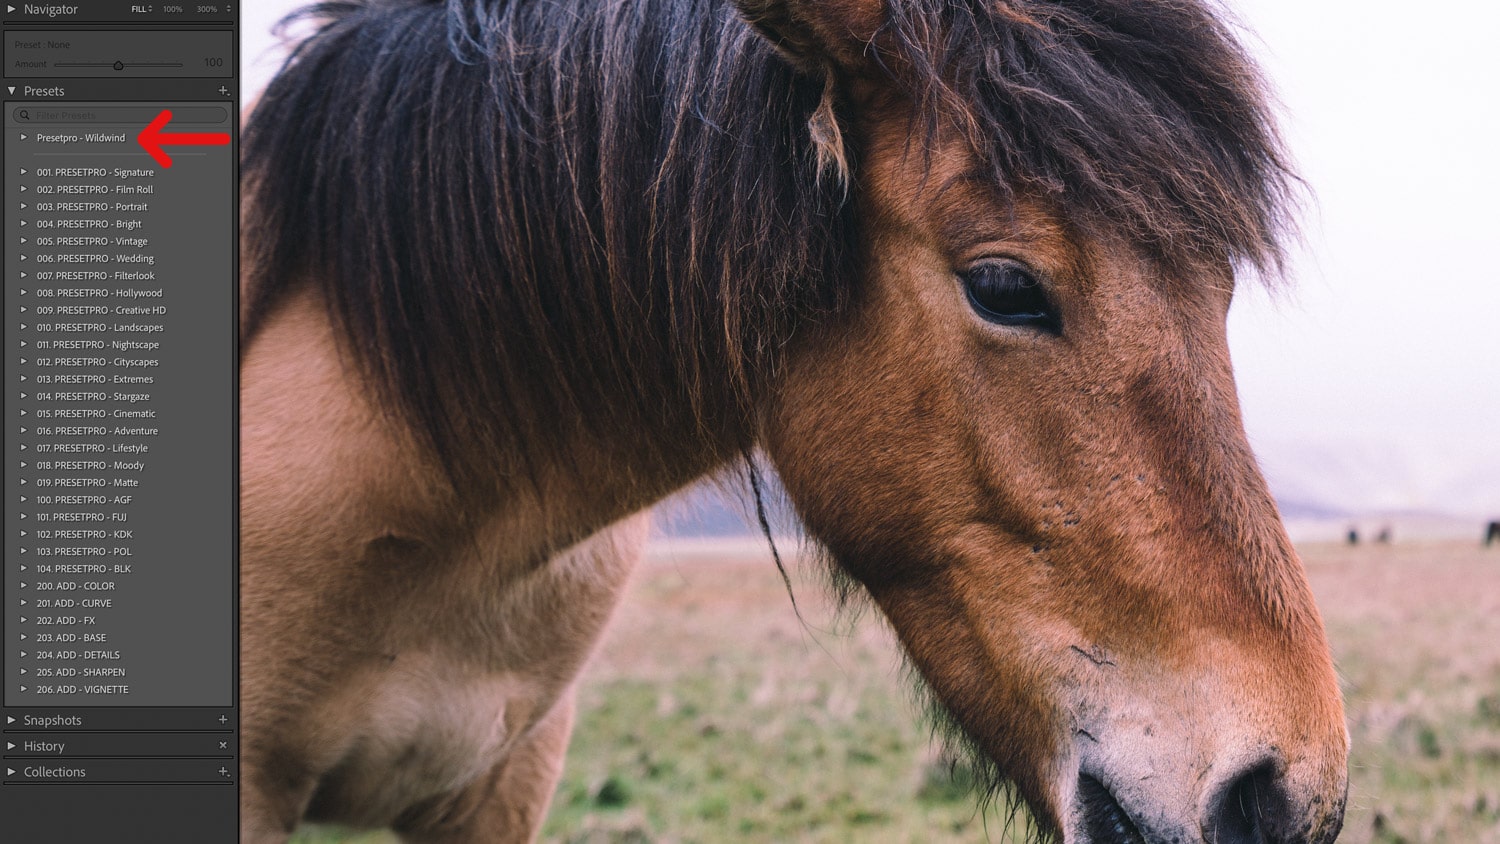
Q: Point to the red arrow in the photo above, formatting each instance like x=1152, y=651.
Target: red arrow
x=152, y=138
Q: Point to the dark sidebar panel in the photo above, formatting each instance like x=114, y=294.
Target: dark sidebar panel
x=120, y=624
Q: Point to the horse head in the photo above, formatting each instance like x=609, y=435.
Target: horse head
x=1022, y=437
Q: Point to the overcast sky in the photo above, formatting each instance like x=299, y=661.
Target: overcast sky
x=1390, y=332
x=1393, y=328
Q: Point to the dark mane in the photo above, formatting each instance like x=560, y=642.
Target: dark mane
x=519, y=209
x=516, y=209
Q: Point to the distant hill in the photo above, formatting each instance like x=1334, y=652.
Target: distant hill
x=703, y=511
x=1434, y=477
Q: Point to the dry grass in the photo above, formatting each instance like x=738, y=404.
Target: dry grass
x=721, y=716
x=1416, y=632
x=712, y=714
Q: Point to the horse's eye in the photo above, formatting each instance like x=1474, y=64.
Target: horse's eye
x=1006, y=293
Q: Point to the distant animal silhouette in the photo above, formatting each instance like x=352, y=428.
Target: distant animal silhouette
x=1492, y=534
x=1384, y=537
x=1353, y=536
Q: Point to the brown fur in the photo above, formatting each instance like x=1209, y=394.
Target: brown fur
x=445, y=425
x=1088, y=511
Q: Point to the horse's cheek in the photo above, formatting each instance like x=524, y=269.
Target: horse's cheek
x=861, y=448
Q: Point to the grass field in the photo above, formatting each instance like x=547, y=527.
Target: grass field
x=712, y=714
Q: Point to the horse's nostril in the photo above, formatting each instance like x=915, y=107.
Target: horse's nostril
x=1104, y=820
x=1240, y=814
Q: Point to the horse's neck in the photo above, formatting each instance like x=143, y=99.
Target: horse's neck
x=316, y=444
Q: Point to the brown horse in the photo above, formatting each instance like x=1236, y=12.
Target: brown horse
x=515, y=271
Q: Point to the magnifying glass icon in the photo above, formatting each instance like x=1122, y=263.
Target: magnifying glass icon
x=24, y=114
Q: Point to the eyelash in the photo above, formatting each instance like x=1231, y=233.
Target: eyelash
x=1008, y=293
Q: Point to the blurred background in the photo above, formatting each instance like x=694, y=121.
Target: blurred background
x=1370, y=390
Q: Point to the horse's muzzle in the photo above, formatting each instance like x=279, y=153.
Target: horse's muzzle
x=1250, y=808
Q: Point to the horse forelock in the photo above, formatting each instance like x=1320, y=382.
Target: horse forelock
x=1146, y=120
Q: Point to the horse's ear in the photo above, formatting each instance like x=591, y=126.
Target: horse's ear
x=814, y=34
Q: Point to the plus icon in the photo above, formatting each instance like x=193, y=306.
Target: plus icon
x=223, y=719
